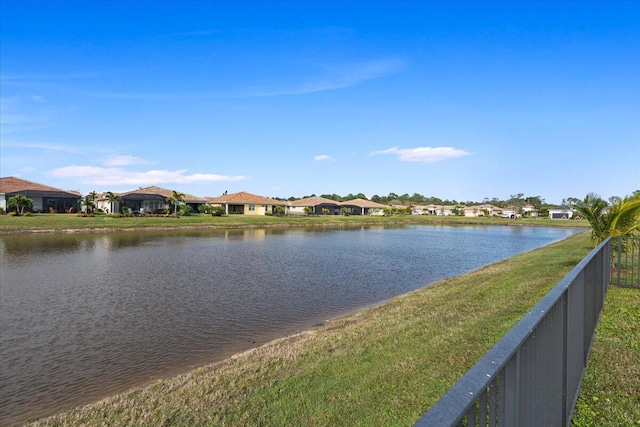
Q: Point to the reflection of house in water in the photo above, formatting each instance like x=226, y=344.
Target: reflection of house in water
x=45, y=198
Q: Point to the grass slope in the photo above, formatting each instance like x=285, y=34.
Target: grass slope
x=610, y=393
x=381, y=366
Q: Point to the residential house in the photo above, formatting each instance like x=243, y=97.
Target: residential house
x=363, y=207
x=151, y=199
x=243, y=203
x=486, y=210
x=510, y=212
x=420, y=210
x=45, y=198
x=530, y=211
x=316, y=204
x=560, y=212
x=445, y=210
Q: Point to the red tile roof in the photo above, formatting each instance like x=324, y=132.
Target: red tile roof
x=361, y=203
x=242, y=198
x=164, y=192
x=11, y=184
x=313, y=201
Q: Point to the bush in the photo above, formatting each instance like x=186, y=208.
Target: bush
x=217, y=211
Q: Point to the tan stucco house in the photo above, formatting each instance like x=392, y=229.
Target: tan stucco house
x=363, y=207
x=243, y=203
x=147, y=200
x=317, y=204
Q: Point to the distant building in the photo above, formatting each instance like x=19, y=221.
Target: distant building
x=316, y=204
x=45, y=198
x=243, y=203
x=560, y=212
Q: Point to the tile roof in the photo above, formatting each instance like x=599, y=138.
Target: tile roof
x=11, y=184
x=313, y=201
x=361, y=203
x=243, y=197
x=164, y=192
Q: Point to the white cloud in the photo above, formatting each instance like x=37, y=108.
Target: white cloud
x=424, y=154
x=115, y=176
x=125, y=160
x=323, y=157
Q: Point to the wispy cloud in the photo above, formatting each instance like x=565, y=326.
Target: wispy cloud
x=327, y=78
x=337, y=77
x=323, y=158
x=424, y=154
x=46, y=147
x=10, y=78
x=125, y=160
x=116, y=176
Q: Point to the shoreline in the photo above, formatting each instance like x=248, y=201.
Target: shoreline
x=70, y=224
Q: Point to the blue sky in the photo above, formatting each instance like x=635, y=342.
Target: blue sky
x=458, y=100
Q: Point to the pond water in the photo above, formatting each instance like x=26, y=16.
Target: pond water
x=84, y=316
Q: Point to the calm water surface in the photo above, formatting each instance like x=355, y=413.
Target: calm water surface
x=84, y=316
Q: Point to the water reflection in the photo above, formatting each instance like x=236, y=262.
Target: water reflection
x=87, y=315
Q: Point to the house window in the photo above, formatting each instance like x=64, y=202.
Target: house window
x=252, y=207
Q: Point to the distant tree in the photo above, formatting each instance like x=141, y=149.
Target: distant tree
x=20, y=202
x=308, y=210
x=325, y=211
x=536, y=201
x=360, y=196
x=278, y=210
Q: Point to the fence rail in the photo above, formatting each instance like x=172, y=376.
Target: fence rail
x=532, y=376
x=625, y=261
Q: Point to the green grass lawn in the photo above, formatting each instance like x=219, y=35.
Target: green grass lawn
x=385, y=365
x=60, y=222
x=610, y=393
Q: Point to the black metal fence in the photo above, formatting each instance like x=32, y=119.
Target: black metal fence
x=625, y=262
x=532, y=376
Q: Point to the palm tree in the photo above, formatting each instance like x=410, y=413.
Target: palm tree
x=20, y=202
x=622, y=218
x=112, y=197
x=88, y=201
x=175, y=199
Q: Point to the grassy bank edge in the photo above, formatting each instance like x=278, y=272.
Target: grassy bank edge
x=56, y=223
x=381, y=366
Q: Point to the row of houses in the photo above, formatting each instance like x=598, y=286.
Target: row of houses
x=153, y=199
